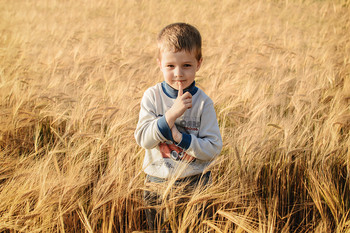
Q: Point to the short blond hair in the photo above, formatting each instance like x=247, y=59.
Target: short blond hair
x=180, y=36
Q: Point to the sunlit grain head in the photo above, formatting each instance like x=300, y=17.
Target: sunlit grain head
x=72, y=74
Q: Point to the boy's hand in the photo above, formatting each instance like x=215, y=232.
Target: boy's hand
x=177, y=136
x=181, y=104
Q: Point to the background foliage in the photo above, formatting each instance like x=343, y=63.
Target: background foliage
x=72, y=74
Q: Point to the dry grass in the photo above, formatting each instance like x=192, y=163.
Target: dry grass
x=71, y=77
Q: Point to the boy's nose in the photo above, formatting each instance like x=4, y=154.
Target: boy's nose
x=178, y=72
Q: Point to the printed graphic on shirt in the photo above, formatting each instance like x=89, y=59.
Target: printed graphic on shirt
x=188, y=125
x=170, y=150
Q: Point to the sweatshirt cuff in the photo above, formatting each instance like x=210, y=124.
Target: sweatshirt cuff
x=185, y=142
x=164, y=128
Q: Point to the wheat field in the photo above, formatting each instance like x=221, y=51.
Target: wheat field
x=72, y=74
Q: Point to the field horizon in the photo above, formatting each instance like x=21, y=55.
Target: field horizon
x=72, y=74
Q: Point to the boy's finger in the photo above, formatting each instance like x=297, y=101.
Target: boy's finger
x=181, y=91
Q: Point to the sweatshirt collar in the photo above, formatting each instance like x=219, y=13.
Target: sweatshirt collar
x=172, y=93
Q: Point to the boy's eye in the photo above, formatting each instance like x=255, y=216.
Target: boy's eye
x=170, y=66
x=187, y=65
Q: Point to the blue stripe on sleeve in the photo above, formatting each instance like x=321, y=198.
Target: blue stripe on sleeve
x=164, y=128
x=185, y=142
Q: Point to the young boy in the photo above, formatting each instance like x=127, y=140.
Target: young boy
x=177, y=122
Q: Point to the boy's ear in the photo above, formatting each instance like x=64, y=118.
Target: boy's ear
x=199, y=63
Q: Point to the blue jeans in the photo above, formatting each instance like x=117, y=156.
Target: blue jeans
x=154, y=217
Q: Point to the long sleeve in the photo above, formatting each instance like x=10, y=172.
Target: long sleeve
x=147, y=133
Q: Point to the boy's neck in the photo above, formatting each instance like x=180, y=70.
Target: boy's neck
x=172, y=93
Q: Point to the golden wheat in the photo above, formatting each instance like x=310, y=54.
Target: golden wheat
x=72, y=74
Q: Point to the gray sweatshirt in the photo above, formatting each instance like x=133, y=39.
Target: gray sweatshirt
x=201, y=139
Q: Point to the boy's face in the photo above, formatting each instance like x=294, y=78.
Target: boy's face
x=179, y=67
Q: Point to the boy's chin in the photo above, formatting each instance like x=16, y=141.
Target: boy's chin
x=176, y=86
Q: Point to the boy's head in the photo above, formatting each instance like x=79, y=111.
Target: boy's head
x=177, y=37
x=180, y=54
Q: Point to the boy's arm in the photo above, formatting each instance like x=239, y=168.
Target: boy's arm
x=147, y=133
x=208, y=144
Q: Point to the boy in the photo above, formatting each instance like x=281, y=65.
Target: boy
x=177, y=122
